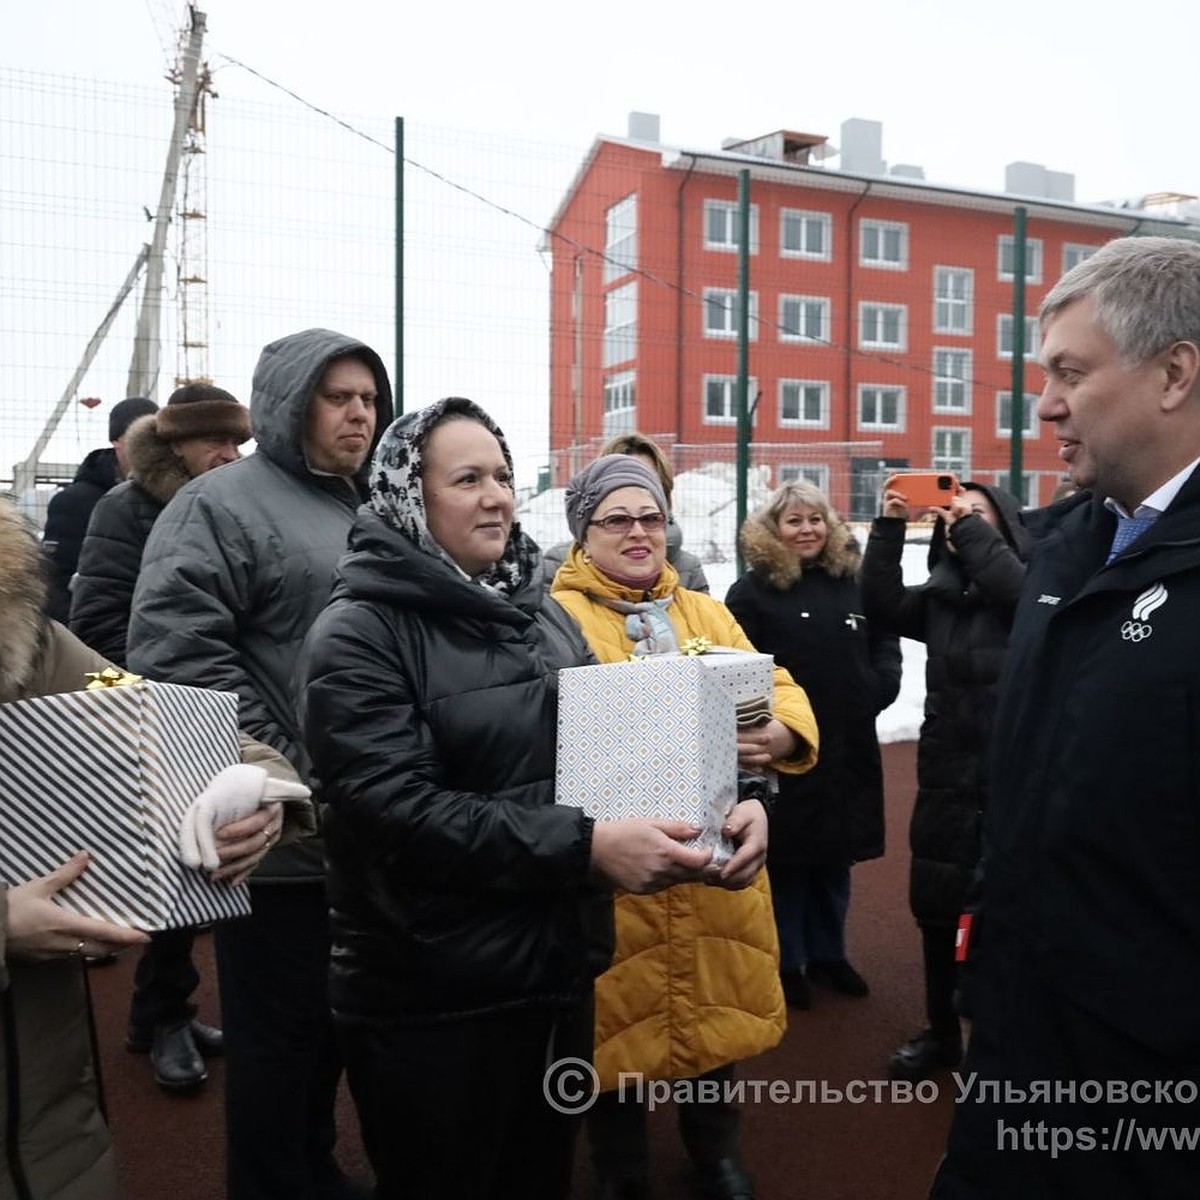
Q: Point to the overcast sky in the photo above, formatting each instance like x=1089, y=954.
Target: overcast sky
x=1104, y=91
x=1099, y=93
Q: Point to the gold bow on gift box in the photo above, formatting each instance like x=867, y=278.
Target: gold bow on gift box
x=695, y=646
x=110, y=677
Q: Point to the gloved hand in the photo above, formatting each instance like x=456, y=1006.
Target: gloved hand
x=231, y=794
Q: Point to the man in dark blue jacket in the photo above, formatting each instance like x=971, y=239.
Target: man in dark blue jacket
x=1084, y=980
x=70, y=510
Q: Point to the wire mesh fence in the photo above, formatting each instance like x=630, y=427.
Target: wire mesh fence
x=575, y=291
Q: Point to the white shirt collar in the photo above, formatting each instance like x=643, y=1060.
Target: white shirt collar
x=1160, y=499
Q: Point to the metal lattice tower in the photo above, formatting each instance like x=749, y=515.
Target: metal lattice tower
x=192, y=364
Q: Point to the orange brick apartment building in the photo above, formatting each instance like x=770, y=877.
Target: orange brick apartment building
x=881, y=311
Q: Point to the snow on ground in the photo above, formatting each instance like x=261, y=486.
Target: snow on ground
x=704, y=503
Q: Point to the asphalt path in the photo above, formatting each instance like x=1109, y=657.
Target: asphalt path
x=871, y=1146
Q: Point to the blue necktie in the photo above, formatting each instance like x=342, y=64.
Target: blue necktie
x=1128, y=529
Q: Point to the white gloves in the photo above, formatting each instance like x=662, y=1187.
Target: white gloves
x=231, y=794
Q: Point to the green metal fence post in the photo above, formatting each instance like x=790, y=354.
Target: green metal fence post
x=398, y=373
x=1017, y=439
x=743, y=358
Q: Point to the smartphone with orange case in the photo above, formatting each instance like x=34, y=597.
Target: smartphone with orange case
x=924, y=489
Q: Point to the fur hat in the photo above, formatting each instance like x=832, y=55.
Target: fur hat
x=602, y=476
x=201, y=410
x=125, y=412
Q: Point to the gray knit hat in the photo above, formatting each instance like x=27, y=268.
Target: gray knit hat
x=601, y=477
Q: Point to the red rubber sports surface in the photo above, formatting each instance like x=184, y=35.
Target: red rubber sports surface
x=171, y=1146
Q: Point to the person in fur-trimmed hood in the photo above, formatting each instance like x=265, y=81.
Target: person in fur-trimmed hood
x=54, y=1142
x=801, y=601
x=200, y=428
x=963, y=613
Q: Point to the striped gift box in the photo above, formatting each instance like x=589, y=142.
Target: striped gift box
x=112, y=771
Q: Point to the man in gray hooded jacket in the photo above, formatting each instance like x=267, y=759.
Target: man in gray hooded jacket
x=236, y=569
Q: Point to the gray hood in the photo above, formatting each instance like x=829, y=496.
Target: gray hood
x=288, y=371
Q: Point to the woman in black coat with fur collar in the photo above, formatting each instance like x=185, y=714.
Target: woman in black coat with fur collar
x=801, y=602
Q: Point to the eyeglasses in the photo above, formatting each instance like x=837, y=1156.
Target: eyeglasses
x=623, y=522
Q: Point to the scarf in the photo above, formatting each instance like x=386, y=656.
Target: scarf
x=646, y=624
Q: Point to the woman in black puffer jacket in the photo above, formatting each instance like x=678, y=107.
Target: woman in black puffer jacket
x=963, y=613
x=470, y=912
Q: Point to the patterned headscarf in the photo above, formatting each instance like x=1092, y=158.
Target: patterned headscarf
x=398, y=499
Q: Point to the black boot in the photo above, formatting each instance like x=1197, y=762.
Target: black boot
x=178, y=1066
x=796, y=991
x=839, y=975
x=725, y=1179
x=926, y=1053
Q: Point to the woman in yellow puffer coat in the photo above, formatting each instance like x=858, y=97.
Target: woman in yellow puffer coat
x=694, y=984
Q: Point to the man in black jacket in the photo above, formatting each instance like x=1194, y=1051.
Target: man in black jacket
x=200, y=428
x=70, y=510
x=1084, y=979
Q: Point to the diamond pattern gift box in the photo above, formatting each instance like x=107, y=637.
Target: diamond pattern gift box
x=656, y=737
x=112, y=771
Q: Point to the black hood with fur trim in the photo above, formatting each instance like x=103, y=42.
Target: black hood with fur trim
x=153, y=465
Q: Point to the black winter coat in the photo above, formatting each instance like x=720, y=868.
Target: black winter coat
x=111, y=557
x=457, y=886
x=67, y=517
x=108, y=568
x=816, y=629
x=1086, y=955
x=962, y=613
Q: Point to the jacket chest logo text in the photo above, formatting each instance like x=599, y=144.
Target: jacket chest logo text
x=1138, y=627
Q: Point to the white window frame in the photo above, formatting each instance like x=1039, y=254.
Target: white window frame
x=901, y=406
x=806, y=217
x=941, y=460
x=870, y=229
x=620, y=324
x=944, y=306
x=815, y=473
x=1077, y=251
x=802, y=422
x=729, y=387
x=727, y=243
x=1033, y=341
x=727, y=299
x=1032, y=425
x=799, y=331
x=1006, y=247
x=621, y=238
x=865, y=343
x=620, y=403
x=947, y=382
